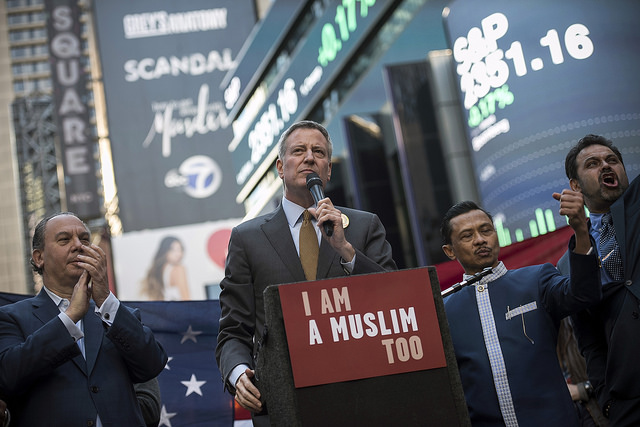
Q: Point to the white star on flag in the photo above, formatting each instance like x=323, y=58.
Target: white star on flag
x=169, y=320
x=190, y=334
x=193, y=385
x=165, y=417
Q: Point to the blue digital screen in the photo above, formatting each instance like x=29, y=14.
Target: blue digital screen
x=534, y=78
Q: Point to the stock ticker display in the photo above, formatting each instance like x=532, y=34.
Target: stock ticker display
x=535, y=77
x=330, y=42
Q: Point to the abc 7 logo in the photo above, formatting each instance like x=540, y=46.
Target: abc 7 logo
x=199, y=176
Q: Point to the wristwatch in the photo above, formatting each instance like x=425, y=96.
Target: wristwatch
x=589, y=388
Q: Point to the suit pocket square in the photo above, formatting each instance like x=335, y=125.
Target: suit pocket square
x=521, y=310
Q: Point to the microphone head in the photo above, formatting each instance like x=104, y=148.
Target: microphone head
x=313, y=179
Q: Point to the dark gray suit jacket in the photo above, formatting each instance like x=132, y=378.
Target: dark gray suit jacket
x=47, y=382
x=262, y=253
x=608, y=333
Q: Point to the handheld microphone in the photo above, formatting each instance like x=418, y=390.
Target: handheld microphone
x=473, y=279
x=314, y=184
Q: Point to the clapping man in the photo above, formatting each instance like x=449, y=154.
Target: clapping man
x=71, y=354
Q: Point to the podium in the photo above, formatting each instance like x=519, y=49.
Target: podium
x=370, y=350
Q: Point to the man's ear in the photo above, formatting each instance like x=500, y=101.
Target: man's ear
x=280, y=168
x=575, y=185
x=36, y=255
x=448, y=251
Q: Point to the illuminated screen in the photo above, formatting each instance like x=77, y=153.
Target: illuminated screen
x=332, y=40
x=535, y=77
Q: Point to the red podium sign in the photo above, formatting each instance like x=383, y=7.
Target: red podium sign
x=361, y=326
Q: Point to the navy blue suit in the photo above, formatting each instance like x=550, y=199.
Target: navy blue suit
x=609, y=333
x=47, y=382
x=540, y=394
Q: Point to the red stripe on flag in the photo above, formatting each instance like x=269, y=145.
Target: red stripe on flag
x=239, y=413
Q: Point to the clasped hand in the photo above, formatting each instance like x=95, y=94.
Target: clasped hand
x=92, y=284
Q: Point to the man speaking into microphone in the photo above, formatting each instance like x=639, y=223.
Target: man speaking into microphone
x=302, y=239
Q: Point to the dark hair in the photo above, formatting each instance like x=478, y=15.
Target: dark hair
x=38, y=236
x=570, y=166
x=304, y=124
x=153, y=284
x=458, y=209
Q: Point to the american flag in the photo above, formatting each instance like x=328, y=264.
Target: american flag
x=190, y=384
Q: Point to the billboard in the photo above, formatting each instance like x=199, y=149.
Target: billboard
x=333, y=38
x=172, y=264
x=534, y=78
x=162, y=64
x=76, y=141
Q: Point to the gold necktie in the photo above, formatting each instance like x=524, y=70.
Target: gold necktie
x=308, y=247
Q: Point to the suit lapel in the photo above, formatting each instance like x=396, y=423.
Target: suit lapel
x=326, y=258
x=277, y=231
x=620, y=222
x=93, y=333
x=45, y=310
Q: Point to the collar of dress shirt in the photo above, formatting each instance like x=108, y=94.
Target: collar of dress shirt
x=292, y=211
x=55, y=298
x=596, y=222
x=497, y=272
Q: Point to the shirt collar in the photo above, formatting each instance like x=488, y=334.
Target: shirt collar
x=292, y=211
x=497, y=272
x=596, y=220
x=57, y=300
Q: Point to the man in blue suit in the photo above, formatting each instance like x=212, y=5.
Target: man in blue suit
x=608, y=333
x=70, y=355
x=504, y=328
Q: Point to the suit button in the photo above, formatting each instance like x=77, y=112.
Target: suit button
x=90, y=423
x=628, y=282
x=635, y=315
x=94, y=389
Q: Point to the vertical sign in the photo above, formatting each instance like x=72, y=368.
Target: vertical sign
x=70, y=100
x=162, y=63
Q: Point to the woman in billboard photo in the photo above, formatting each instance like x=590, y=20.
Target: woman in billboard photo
x=167, y=277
